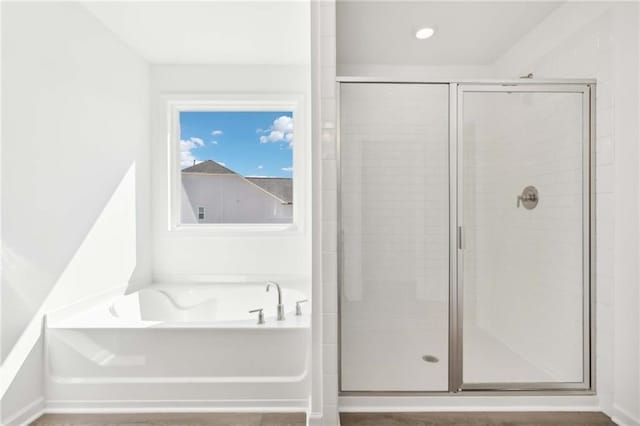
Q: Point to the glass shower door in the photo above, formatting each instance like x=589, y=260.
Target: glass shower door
x=523, y=207
x=394, y=283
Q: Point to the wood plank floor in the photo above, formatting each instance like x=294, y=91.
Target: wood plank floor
x=475, y=419
x=346, y=419
x=167, y=419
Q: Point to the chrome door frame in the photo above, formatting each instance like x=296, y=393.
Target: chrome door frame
x=456, y=90
x=587, y=218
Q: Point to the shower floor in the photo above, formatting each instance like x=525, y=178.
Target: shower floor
x=391, y=360
x=487, y=359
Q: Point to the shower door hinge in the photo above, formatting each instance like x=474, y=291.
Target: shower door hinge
x=460, y=238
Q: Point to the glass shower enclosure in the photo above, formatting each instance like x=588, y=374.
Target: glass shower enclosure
x=465, y=236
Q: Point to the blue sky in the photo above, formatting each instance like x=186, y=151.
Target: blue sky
x=249, y=143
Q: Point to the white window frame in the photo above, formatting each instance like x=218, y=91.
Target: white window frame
x=293, y=102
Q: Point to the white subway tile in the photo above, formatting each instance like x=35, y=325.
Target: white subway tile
x=328, y=81
x=329, y=172
x=330, y=299
x=330, y=389
x=328, y=110
x=328, y=51
x=329, y=235
x=328, y=138
x=605, y=179
x=329, y=268
x=327, y=18
x=329, y=205
x=330, y=359
x=329, y=328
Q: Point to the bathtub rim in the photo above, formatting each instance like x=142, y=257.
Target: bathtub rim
x=71, y=316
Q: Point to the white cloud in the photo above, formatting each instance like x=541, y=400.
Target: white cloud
x=217, y=133
x=260, y=167
x=197, y=141
x=287, y=169
x=214, y=142
x=283, y=124
x=187, y=159
x=186, y=156
x=280, y=131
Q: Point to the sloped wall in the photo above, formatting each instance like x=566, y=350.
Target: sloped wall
x=74, y=176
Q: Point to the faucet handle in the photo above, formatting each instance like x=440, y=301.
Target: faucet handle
x=260, y=315
x=298, y=307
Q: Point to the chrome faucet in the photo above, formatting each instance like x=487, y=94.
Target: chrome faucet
x=280, y=305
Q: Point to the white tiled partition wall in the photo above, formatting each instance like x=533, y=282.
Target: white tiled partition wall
x=324, y=396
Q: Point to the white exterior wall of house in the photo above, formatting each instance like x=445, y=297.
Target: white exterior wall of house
x=229, y=198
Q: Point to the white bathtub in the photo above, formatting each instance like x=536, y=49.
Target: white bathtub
x=182, y=347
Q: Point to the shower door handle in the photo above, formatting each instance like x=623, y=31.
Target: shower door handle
x=460, y=240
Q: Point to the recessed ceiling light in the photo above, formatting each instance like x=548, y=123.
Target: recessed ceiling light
x=424, y=33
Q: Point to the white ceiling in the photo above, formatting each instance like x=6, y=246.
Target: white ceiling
x=467, y=33
x=229, y=32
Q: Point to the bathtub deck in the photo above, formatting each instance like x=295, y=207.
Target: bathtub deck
x=167, y=419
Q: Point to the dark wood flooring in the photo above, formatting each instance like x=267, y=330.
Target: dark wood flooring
x=475, y=419
x=346, y=419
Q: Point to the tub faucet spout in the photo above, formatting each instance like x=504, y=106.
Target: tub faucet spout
x=280, y=305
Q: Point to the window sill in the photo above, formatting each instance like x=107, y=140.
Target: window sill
x=238, y=229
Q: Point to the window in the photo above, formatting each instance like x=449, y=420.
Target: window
x=232, y=163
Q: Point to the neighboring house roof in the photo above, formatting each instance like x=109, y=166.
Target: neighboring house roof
x=281, y=188
x=209, y=167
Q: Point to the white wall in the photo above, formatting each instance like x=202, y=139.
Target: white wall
x=178, y=254
x=600, y=40
x=415, y=72
x=74, y=176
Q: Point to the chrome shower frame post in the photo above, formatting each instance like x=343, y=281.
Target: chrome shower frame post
x=455, y=236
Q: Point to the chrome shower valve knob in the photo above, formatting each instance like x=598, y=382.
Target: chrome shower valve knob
x=528, y=198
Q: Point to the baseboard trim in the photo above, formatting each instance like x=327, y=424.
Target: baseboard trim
x=356, y=404
x=314, y=419
x=623, y=418
x=27, y=414
x=178, y=406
